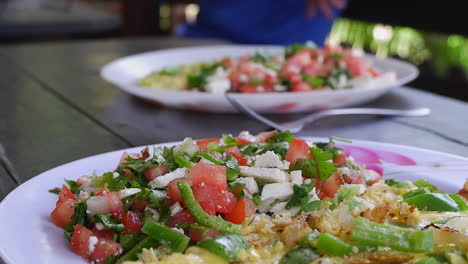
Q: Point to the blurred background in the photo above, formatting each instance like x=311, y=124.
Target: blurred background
x=433, y=35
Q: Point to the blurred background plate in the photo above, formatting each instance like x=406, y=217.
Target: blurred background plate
x=126, y=72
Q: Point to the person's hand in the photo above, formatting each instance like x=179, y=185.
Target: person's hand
x=324, y=7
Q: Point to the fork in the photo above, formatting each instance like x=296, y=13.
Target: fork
x=297, y=125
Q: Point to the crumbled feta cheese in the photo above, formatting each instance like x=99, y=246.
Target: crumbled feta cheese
x=154, y=213
x=159, y=194
x=243, y=78
x=84, y=195
x=175, y=208
x=187, y=146
x=307, y=181
x=99, y=226
x=247, y=136
x=163, y=181
x=296, y=176
x=92, y=241
x=97, y=205
x=280, y=88
x=180, y=230
x=280, y=208
x=250, y=184
x=268, y=159
x=128, y=192
x=281, y=191
x=265, y=174
x=218, y=82
x=314, y=196
x=115, y=175
x=264, y=69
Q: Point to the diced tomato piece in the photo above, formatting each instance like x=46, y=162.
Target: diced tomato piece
x=213, y=200
x=173, y=190
x=331, y=185
x=208, y=175
x=228, y=62
x=372, y=176
x=181, y=217
x=299, y=149
x=263, y=136
x=151, y=174
x=356, y=180
x=203, y=143
x=83, y=179
x=79, y=242
x=132, y=222
x=139, y=205
x=242, y=141
x=114, y=202
x=243, y=209
x=301, y=57
x=356, y=65
x=61, y=216
x=107, y=234
x=65, y=193
x=103, y=249
x=235, y=152
x=128, y=173
x=198, y=235
x=340, y=160
x=269, y=80
x=301, y=87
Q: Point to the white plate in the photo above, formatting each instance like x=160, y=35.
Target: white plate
x=28, y=236
x=126, y=72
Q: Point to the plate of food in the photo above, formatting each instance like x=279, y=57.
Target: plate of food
x=268, y=79
x=268, y=198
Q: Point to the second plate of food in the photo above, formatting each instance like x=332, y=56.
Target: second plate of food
x=269, y=79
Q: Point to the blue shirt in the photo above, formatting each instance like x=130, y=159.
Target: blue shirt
x=258, y=21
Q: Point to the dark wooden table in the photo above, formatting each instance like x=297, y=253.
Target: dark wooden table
x=55, y=108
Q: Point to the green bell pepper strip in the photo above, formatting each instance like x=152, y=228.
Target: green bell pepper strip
x=184, y=161
x=132, y=254
x=423, y=183
x=332, y=245
x=434, y=202
x=226, y=246
x=375, y=234
x=412, y=193
x=299, y=256
x=128, y=241
x=202, y=217
x=174, y=240
x=461, y=203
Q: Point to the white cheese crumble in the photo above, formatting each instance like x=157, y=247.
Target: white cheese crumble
x=159, y=194
x=250, y=184
x=92, y=241
x=187, y=146
x=247, y=136
x=175, y=208
x=268, y=159
x=154, y=213
x=218, y=82
x=314, y=196
x=280, y=208
x=84, y=195
x=180, y=230
x=163, y=180
x=115, y=175
x=281, y=191
x=99, y=226
x=265, y=174
x=296, y=176
x=128, y=192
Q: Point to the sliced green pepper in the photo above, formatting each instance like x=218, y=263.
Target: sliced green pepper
x=128, y=241
x=226, y=246
x=423, y=183
x=412, y=193
x=132, y=254
x=428, y=260
x=299, y=256
x=434, y=202
x=332, y=245
x=375, y=234
x=174, y=240
x=202, y=217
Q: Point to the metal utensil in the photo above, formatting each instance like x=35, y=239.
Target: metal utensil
x=10, y=169
x=297, y=125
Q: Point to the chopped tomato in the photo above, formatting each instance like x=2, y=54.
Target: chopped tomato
x=128, y=173
x=263, y=136
x=356, y=65
x=203, y=143
x=107, y=234
x=139, y=205
x=250, y=88
x=181, y=217
x=299, y=149
x=103, y=249
x=235, y=152
x=151, y=174
x=79, y=242
x=114, y=202
x=331, y=185
x=65, y=193
x=213, y=200
x=208, y=175
x=198, y=235
x=340, y=160
x=243, y=209
x=132, y=222
x=242, y=141
x=61, y=216
x=173, y=190
x=372, y=176
x=301, y=87
x=356, y=180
